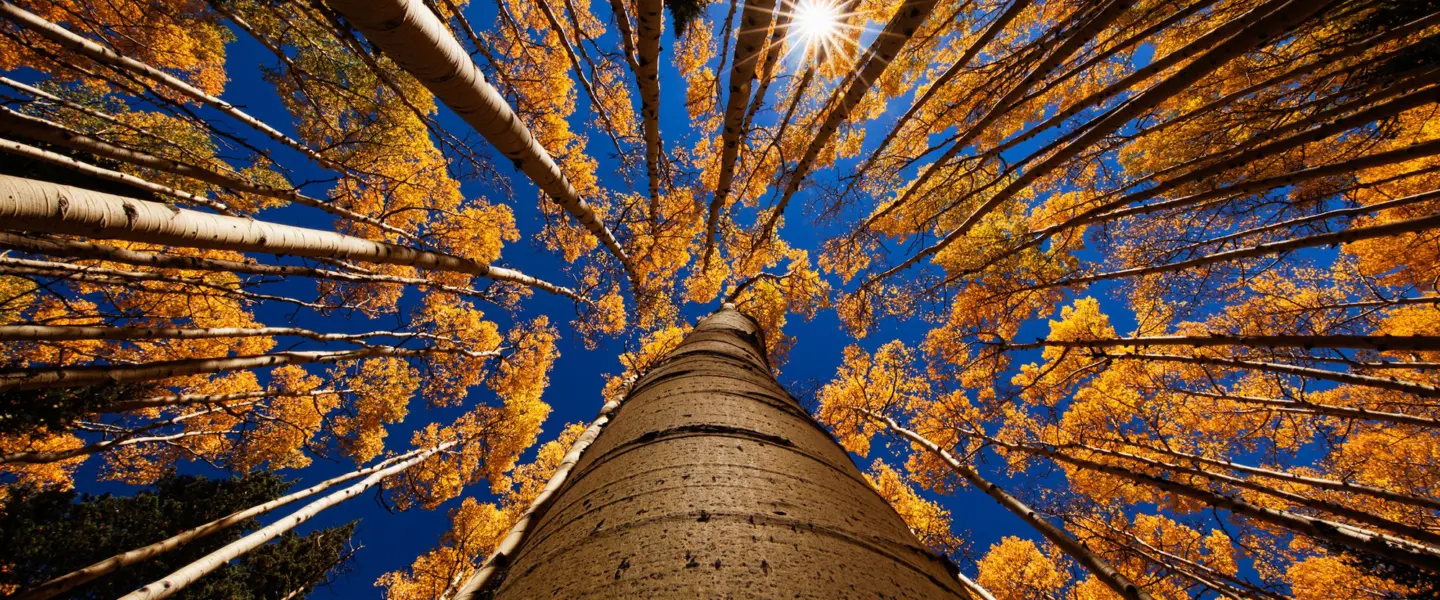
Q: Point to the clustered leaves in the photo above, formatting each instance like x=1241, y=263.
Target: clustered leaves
x=1225, y=210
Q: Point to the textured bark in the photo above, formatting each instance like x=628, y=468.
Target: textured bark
x=106, y=56
x=1076, y=549
x=711, y=477
x=78, y=249
x=416, y=39
x=650, y=16
x=520, y=531
x=38, y=206
x=71, y=580
x=33, y=378
x=187, y=575
x=754, y=22
x=33, y=153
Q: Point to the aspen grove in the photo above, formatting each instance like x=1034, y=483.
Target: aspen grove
x=1154, y=280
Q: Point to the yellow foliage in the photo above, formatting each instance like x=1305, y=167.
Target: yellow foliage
x=1014, y=569
x=926, y=519
x=880, y=384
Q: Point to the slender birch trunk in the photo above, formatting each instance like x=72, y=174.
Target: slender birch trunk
x=1092, y=560
x=1384, y=383
x=1410, y=553
x=710, y=476
x=79, y=249
x=1343, y=236
x=421, y=44
x=1172, y=561
x=74, y=579
x=31, y=205
x=33, y=458
x=187, y=575
x=106, y=56
x=650, y=19
x=189, y=399
x=994, y=28
x=1366, y=342
x=1329, y=484
x=36, y=333
x=49, y=377
x=521, y=529
x=774, y=50
x=33, y=128
x=31, y=152
x=754, y=22
x=1261, y=24
x=1311, y=408
x=1096, y=21
x=122, y=438
x=1353, y=514
x=877, y=58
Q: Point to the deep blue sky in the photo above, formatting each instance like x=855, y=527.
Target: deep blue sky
x=392, y=540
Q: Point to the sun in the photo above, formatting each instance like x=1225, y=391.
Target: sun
x=815, y=21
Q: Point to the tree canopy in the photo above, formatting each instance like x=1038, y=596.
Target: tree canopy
x=1158, y=276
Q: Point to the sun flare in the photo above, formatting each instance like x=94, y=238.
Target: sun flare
x=816, y=21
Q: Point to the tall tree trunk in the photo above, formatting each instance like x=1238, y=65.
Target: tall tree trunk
x=187, y=575
x=906, y=21
x=416, y=39
x=712, y=477
x=650, y=16
x=38, y=206
x=1076, y=549
x=754, y=22
x=34, y=378
x=74, y=579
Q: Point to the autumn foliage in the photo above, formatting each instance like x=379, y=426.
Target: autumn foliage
x=1157, y=276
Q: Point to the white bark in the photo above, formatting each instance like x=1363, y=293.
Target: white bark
x=650, y=18
x=1329, y=484
x=41, y=206
x=48, y=377
x=1092, y=561
x=188, y=399
x=421, y=44
x=79, y=249
x=36, y=333
x=1367, y=342
x=1307, y=407
x=71, y=580
x=754, y=22
x=103, y=55
x=906, y=21
x=186, y=575
x=518, y=531
x=32, y=152
x=12, y=122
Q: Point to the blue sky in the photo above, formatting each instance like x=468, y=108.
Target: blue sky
x=392, y=540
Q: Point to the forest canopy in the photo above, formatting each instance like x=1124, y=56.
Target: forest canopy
x=1157, y=276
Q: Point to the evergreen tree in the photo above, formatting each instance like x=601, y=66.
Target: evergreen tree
x=44, y=534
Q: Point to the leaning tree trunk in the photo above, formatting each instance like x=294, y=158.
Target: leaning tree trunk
x=709, y=478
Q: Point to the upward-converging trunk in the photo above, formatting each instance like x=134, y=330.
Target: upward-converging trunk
x=711, y=477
